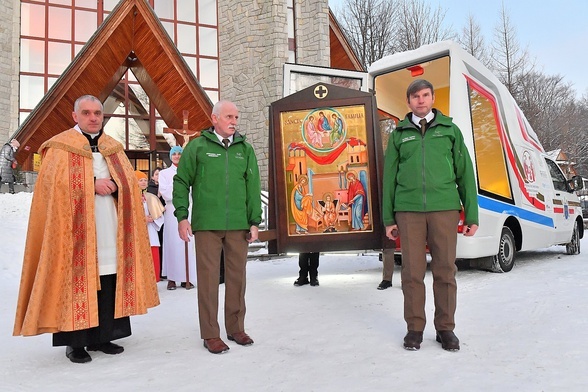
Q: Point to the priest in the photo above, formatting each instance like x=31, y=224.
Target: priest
x=87, y=262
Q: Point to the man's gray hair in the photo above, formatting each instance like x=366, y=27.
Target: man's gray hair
x=86, y=98
x=418, y=85
x=216, y=109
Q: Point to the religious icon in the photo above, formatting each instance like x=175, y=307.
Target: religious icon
x=327, y=174
x=325, y=164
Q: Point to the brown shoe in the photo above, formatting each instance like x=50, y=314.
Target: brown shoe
x=241, y=338
x=413, y=340
x=171, y=285
x=216, y=345
x=448, y=340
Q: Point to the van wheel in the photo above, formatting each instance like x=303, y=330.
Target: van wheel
x=504, y=260
x=573, y=247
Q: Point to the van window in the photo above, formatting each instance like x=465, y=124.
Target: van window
x=559, y=181
x=490, y=160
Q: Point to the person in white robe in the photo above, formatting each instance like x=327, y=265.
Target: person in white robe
x=174, y=248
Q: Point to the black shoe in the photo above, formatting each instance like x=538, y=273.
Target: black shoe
x=448, y=340
x=385, y=284
x=300, y=282
x=107, y=348
x=77, y=354
x=314, y=282
x=413, y=340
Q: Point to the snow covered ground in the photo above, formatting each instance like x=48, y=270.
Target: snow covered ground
x=520, y=331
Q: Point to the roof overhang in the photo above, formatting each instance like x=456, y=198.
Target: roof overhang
x=131, y=38
x=342, y=54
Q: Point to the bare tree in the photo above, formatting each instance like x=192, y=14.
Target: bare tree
x=580, y=154
x=369, y=27
x=376, y=28
x=509, y=60
x=573, y=136
x=473, y=42
x=544, y=100
x=549, y=103
x=558, y=118
x=419, y=24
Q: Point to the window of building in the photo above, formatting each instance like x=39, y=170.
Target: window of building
x=54, y=31
x=291, y=32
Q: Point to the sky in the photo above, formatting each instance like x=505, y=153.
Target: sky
x=555, y=32
x=522, y=331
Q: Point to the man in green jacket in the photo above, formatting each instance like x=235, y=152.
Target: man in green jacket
x=428, y=177
x=220, y=170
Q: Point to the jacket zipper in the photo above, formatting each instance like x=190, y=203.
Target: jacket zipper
x=423, y=174
x=227, y=185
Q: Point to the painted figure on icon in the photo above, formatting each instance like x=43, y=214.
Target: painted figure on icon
x=329, y=208
x=301, y=205
x=314, y=136
x=356, y=195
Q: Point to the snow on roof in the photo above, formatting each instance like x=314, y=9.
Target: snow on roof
x=553, y=154
x=396, y=59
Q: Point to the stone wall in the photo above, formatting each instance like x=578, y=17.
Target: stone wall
x=312, y=32
x=253, y=46
x=9, y=66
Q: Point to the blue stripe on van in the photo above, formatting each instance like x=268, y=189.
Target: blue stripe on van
x=505, y=208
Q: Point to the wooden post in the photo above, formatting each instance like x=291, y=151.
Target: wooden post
x=188, y=285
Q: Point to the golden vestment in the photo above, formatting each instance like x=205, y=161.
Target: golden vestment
x=60, y=279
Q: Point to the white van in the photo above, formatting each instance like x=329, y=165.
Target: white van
x=525, y=201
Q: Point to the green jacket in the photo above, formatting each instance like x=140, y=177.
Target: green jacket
x=421, y=172
x=225, y=184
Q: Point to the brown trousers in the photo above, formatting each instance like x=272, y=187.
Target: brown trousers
x=388, y=264
x=438, y=230
x=209, y=245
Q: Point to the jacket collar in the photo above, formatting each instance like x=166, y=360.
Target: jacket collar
x=439, y=119
x=210, y=135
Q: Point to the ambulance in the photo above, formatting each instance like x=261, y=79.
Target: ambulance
x=525, y=201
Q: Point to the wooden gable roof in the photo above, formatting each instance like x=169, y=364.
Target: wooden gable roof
x=131, y=37
x=342, y=55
